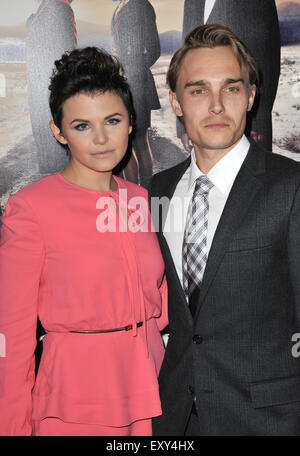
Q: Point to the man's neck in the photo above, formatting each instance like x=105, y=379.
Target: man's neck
x=206, y=159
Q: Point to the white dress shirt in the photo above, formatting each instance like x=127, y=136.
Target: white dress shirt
x=209, y=4
x=222, y=175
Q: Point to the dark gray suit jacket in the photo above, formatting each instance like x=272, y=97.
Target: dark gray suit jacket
x=235, y=356
x=137, y=44
x=255, y=22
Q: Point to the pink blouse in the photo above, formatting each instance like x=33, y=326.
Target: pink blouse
x=66, y=259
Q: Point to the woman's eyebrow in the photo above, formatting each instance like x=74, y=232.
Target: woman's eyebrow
x=105, y=118
x=79, y=120
x=112, y=115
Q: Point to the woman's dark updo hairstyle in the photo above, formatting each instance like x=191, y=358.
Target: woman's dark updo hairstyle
x=87, y=70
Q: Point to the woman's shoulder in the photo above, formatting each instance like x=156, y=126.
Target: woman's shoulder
x=38, y=189
x=31, y=201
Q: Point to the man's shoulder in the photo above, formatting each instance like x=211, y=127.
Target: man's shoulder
x=167, y=176
x=271, y=163
x=282, y=165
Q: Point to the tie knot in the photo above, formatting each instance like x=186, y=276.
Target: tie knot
x=203, y=185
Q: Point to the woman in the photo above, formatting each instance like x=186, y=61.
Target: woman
x=77, y=250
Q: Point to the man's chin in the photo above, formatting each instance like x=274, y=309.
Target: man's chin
x=220, y=142
x=218, y=145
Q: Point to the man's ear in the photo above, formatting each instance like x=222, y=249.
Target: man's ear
x=175, y=104
x=57, y=133
x=251, y=98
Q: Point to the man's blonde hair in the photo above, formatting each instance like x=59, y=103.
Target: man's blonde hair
x=211, y=36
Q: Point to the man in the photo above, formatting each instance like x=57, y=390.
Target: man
x=232, y=267
x=255, y=22
x=50, y=32
x=137, y=45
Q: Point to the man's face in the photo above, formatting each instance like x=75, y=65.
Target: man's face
x=213, y=96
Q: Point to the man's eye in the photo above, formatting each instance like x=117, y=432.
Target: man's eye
x=81, y=127
x=113, y=121
x=233, y=89
x=198, y=91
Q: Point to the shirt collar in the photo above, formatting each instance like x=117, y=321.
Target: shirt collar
x=225, y=170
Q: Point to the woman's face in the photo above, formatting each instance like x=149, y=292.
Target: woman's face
x=96, y=128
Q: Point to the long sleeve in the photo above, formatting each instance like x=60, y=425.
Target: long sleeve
x=77, y=278
x=21, y=260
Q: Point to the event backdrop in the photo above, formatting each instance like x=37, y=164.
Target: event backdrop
x=33, y=33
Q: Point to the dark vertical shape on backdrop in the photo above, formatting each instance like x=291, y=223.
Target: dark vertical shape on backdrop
x=50, y=32
x=136, y=43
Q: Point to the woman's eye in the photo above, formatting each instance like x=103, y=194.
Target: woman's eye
x=113, y=121
x=81, y=127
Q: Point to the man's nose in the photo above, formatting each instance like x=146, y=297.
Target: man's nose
x=216, y=103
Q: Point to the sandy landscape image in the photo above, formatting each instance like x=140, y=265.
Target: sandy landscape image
x=18, y=153
x=286, y=133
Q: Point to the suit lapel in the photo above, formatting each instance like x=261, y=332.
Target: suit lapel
x=166, y=189
x=170, y=266
x=242, y=194
x=211, y=14
x=198, y=7
x=226, y=12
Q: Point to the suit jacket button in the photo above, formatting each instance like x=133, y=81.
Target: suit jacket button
x=191, y=390
x=197, y=339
